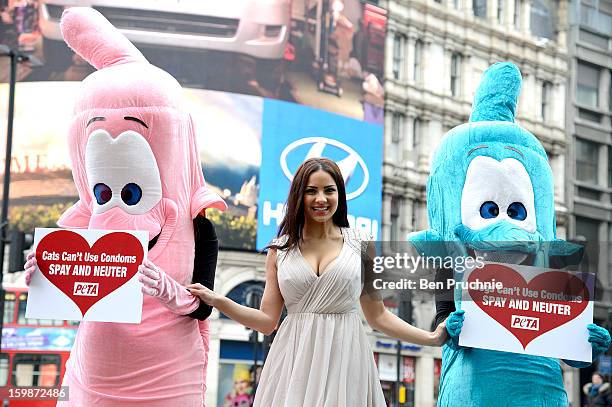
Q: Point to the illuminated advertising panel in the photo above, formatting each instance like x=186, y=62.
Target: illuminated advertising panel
x=236, y=61
x=288, y=139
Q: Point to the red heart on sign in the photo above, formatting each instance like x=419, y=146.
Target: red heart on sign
x=88, y=274
x=551, y=299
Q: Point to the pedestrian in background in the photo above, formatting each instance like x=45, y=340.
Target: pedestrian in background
x=598, y=392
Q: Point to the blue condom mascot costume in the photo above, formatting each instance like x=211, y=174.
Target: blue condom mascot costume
x=491, y=182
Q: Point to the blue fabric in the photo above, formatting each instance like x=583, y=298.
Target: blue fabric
x=594, y=390
x=478, y=377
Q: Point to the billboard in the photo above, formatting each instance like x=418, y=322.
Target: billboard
x=288, y=140
x=236, y=64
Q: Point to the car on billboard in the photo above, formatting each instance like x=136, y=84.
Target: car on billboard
x=258, y=28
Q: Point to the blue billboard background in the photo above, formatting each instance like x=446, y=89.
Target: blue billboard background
x=290, y=134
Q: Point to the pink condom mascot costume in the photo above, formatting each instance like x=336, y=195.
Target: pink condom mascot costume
x=135, y=165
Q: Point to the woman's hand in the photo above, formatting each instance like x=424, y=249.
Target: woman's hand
x=439, y=336
x=206, y=295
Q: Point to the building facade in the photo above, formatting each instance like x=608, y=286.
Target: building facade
x=589, y=132
x=436, y=53
x=589, y=127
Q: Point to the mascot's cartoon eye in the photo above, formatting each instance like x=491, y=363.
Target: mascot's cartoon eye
x=517, y=211
x=103, y=193
x=489, y=210
x=131, y=194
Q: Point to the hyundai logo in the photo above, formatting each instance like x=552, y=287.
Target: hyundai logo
x=347, y=165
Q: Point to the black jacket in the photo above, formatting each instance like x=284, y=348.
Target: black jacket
x=603, y=398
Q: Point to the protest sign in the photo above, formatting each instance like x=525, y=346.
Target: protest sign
x=87, y=275
x=532, y=310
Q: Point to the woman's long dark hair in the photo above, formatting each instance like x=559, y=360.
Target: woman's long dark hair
x=293, y=222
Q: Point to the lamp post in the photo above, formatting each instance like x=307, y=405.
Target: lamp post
x=253, y=299
x=16, y=57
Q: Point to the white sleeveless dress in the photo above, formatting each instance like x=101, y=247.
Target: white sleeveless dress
x=320, y=356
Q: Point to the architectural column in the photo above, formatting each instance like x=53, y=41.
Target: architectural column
x=465, y=83
x=446, y=71
x=410, y=56
x=389, y=54
x=562, y=23
x=431, y=65
x=470, y=86
x=558, y=103
x=492, y=11
x=525, y=99
x=424, y=371
x=212, y=373
x=557, y=163
x=537, y=99
x=602, y=169
x=604, y=89
x=526, y=17
x=572, y=385
x=386, y=219
x=508, y=14
x=410, y=153
x=466, y=6
x=431, y=128
x=516, y=4
x=387, y=134
x=407, y=225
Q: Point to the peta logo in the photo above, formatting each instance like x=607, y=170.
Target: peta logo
x=85, y=289
x=354, y=170
x=529, y=323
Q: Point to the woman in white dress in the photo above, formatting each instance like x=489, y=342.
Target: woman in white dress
x=320, y=356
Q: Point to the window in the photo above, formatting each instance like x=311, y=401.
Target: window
x=610, y=166
x=500, y=11
x=455, y=78
x=416, y=133
x=4, y=369
x=21, y=319
x=36, y=370
x=395, y=219
x=546, y=99
x=9, y=308
x=587, y=92
x=589, y=230
x=517, y=14
x=456, y=4
x=397, y=129
x=595, y=18
x=398, y=56
x=418, y=56
x=589, y=115
x=480, y=8
x=588, y=193
x=542, y=19
x=587, y=158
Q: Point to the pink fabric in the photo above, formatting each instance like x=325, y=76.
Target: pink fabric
x=157, y=283
x=161, y=361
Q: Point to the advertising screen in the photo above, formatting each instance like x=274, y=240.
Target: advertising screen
x=245, y=67
x=288, y=140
